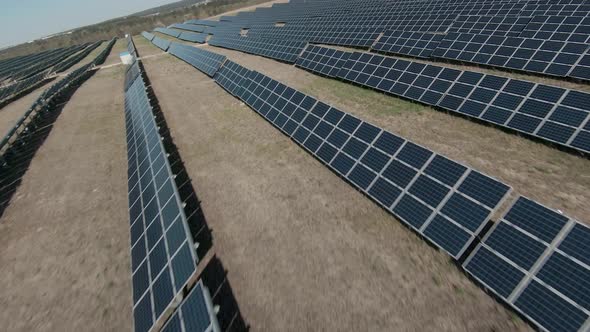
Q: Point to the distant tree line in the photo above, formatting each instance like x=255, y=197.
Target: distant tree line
x=131, y=24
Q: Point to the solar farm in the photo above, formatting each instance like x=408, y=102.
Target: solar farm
x=304, y=165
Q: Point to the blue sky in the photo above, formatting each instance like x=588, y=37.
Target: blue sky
x=25, y=20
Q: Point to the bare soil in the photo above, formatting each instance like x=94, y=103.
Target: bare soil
x=64, y=248
x=303, y=249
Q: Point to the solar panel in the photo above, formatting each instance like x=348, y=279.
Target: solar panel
x=230, y=77
x=193, y=37
x=563, y=28
x=445, y=201
x=550, y=57
x=10, y=91
x=281, y=50
x=496, y=25
x=195, y=313
x=169, y=32
x=582, y=69
x=536, y=260
x=550, y=113
x=148, y=36
x=161, y=43
x=416, y=44
x=205, y=61
x=188, y=27
x=203, y=22
x=322, y=60
x=131, y=46
x=163, y=257
x=561, y=8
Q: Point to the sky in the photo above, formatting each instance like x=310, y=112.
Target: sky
x=25, y=20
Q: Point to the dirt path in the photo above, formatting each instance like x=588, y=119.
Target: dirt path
x=64, y=248
x=303, y=249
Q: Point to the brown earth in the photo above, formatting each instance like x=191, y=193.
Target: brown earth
x=304, y=250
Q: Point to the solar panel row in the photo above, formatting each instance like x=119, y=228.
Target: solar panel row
x=538, y=261
x=24, y=67
x=102, y=56
x=188, y=27
x=323, y=60
x=148, y=36
x=507, y=26
x=163, y=254
x=446, y=202
x=162, y=43
x=8, y=92
x=543, y=38
x=131, y=46
x=550, y=113
x=22, y=141
x=69, y=62
x=550, y=57
x=195, y=313
x=205, y=61
x=193, y=37
x=12, y=65
x=207, y=23
x=280, y=50
x=417, y=44
x=37, y=67
x=169, y=32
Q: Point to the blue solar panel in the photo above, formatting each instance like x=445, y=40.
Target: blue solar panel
x=205, y=61
x=497, y=274
x=531, y=260
x=576, y=244
x=161, y=43
x=323, y=60
x=195, y=313
x=162, y=250
x=551, y=311
x=536, y=219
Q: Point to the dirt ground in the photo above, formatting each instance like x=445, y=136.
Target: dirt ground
x=303, y=249
x=64, y=248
